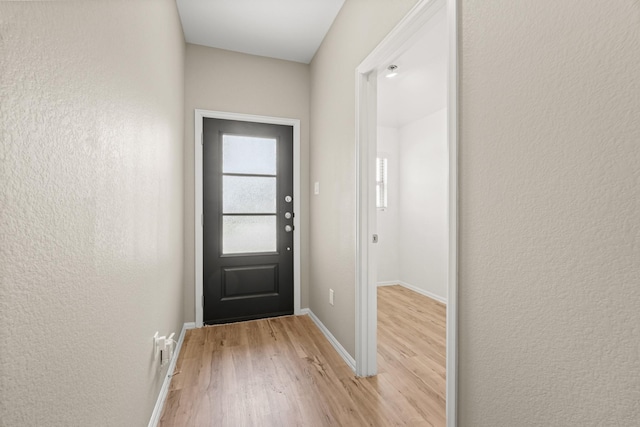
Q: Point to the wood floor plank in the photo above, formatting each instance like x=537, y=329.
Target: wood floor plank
x=283, y=372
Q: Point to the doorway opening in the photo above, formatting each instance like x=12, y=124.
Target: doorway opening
x=286, y=219
x=407, y=180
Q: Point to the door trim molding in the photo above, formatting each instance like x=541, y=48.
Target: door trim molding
x=199, y=116
x=366, y=117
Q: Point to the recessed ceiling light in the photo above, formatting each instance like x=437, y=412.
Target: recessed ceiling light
x=392, y=71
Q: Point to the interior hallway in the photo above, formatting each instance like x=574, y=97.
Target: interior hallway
x=283, y=372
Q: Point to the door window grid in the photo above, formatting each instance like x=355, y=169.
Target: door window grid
x=249, y=193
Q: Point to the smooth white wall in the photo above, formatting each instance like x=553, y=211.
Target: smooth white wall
x=388, y=219
x=423, y=240
x=91, y=131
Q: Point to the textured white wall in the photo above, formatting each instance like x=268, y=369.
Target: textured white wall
x=387, y=219
x=423, y=242
x=221, y=80
x=549, y=213
x=91, y=128
x=358, y=28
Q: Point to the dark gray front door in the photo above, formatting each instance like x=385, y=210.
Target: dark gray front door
x=248, y=220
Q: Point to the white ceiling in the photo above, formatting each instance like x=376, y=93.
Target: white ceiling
x=283, y=29
x=420, y=88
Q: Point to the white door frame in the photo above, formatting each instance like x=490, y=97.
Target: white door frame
x=398, y=40
x=199, y=116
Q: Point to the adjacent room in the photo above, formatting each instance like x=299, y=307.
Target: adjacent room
x=412, y=210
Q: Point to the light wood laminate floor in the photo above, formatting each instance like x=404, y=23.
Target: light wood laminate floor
x=283, y=372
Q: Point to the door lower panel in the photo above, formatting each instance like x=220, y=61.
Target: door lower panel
x=249, y=282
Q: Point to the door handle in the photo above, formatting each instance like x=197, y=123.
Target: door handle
x=288, y=228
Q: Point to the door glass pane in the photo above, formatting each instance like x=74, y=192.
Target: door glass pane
x=248, y=234
x=247, y=154
x=248, y=194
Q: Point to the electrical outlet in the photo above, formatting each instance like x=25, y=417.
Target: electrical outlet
x=331, y=296
x=316, y=188
x=164, y=348
x=159, y=342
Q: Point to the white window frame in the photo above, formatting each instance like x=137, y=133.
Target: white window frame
x=382, y=182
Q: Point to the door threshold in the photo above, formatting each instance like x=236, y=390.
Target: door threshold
x=248, y=318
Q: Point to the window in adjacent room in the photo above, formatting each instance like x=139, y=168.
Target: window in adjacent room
x=381, y=183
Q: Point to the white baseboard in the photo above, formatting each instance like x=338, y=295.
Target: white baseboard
x=389, y=283
x=414, y=289
x=350, y=361
x=423, y=292
x=164, y=390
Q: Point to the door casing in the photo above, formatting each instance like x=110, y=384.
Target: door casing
x=402, y=36
x=201, y=114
